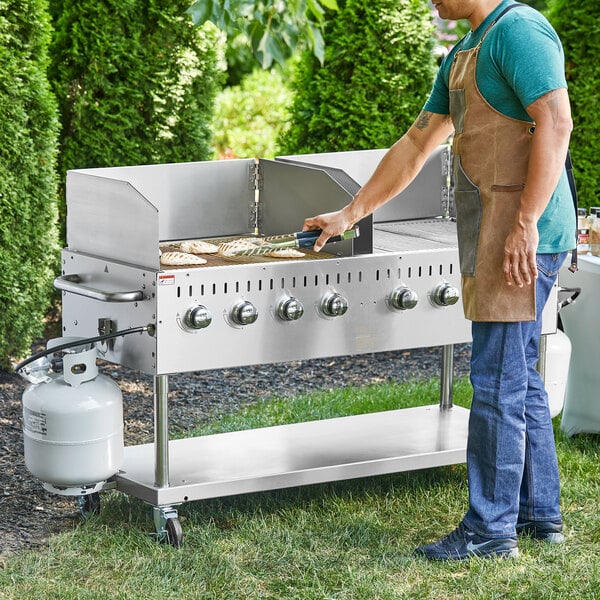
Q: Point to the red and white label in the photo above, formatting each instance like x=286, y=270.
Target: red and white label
x=166, y=279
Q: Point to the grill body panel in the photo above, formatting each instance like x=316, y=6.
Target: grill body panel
x=366, y=282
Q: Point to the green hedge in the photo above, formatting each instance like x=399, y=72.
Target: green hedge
x=248, y=117
x=378, y=71
x=135, y=82
x=578, y=25
x=28, y=189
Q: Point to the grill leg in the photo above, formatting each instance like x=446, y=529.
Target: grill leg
x=161, y=431
x=541, y=365
x=447, y=377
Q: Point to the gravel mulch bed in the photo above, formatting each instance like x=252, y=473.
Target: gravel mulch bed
x=29, y=514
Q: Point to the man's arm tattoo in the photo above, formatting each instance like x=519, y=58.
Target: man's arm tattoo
x=425, y=116
x=423, y=119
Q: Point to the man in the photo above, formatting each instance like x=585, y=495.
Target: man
x=502, y=93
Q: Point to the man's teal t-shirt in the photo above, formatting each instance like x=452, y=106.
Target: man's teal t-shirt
x=520, y=60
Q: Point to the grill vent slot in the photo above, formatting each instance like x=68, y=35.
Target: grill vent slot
x=315, y=281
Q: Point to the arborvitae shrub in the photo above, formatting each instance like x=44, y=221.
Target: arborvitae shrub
x=578, y=25
x=28, y=189
x=135, y=81
x=379, y=67
x=249, y=116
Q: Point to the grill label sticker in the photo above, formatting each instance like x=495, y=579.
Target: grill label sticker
x=166, y=279
x=35, y=421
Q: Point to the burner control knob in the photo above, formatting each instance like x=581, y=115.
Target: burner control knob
x=197, y=317
x=403, y=298
x=290, y=309
x=445, y=295
x=244, y=313
x=334, y=305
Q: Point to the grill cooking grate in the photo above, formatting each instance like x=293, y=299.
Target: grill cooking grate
x=406, y=236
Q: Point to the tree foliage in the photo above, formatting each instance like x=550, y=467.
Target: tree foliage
x=28, y=131
x=135, y=82
x=379, y=68
x=578, y=25
x=274, y=28
x=249, y=116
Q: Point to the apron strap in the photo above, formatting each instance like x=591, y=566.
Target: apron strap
x=515, y=5
x=569, y=168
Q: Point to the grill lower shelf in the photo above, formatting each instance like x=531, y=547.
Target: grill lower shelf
x=299, y=454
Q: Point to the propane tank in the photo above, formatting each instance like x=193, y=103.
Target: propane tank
x=72, y=422
x=558, y=356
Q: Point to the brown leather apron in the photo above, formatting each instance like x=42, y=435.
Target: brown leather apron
x=491, y=153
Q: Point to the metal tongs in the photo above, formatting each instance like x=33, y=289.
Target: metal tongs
x=298, y=239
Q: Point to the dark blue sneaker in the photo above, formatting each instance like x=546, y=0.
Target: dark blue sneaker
x=462, y=544
x=547, y=531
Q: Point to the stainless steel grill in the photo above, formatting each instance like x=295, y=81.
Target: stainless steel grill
x=394, y=287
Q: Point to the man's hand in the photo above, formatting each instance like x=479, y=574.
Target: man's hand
x=520, y=266
x=399, y=166
x=334, y=223
x=552, y=116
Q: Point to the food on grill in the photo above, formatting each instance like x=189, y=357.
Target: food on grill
x=247, y=242
x=285, y=253
x=232, y=247
x=177, y=259
x=259, y=247
x=198, y=247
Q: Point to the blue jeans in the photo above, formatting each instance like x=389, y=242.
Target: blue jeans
x=511, y=457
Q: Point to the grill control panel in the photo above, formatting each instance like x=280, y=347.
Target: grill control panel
x=288, y=310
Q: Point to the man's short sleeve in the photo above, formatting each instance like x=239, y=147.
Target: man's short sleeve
x=439, y=98
x=528, y=54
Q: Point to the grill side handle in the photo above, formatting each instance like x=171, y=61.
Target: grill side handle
x=73, y=283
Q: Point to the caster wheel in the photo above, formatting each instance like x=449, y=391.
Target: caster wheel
x=174, y=532
x=89, y=505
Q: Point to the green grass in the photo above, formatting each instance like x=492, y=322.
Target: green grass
x=350, y=540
